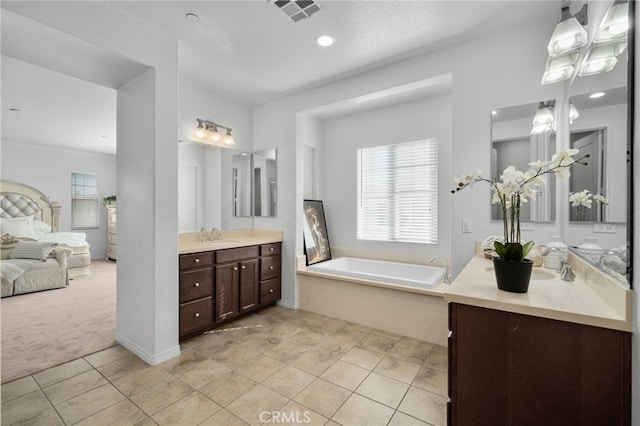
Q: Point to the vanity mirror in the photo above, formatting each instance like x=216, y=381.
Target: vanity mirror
x=516, y=143
x=254, y=183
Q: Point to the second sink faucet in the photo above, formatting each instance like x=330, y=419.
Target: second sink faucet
x=447, y=272
x=215, y=234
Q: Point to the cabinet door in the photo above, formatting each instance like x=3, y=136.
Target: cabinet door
x=249, y=290
x=226, y=291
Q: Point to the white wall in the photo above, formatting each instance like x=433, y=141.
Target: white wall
x=343, y=136
x=49, y=170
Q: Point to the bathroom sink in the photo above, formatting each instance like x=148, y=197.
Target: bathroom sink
x=537, y=274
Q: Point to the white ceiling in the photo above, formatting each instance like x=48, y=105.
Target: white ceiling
x=248, y=51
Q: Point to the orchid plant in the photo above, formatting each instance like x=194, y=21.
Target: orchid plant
x=584, y=199
x=516, y=188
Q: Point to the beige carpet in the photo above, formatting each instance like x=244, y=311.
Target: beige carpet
x=47, y=328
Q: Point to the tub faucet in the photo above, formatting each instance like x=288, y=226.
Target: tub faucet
x=447, y=273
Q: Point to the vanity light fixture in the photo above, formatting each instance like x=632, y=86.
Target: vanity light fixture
x=207, y=132
x=615, y=23
x=559, y=68
x=569, y=34
x=600, y=59
x=544, y=120
x=573, y=113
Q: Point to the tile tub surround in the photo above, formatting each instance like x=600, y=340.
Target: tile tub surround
x=591, y=299
x=345, y=373
x=191, y=242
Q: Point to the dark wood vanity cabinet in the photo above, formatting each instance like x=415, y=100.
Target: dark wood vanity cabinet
x=217, y=286
x=513, y=369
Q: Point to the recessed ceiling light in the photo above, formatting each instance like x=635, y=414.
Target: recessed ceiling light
x=192, y=17
x=596, y=95
x=324, y=40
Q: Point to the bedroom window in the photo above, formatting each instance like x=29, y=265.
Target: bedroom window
x=85, y=211
x=397, y=192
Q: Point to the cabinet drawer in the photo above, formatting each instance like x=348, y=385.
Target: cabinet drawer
x=195, y=315
x=269, y=291
x=269, y=267
x=270, y=249
x=195, y=284
x=235, y=254
x=196, y=260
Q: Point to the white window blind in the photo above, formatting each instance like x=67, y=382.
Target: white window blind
x=85, y=212
x=398, y=192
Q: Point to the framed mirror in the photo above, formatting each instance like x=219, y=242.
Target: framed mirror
x=241, y=176
x=514, y=142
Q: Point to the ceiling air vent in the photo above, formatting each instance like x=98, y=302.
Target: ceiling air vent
x=298, y=10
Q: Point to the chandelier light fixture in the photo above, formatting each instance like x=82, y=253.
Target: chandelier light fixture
x=544, y=120
x=207, y=132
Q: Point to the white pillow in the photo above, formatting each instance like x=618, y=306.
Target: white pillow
x=41, y=227
x=18, y=226
x=32, y=250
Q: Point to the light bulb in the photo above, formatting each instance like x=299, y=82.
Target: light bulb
x=228, y=139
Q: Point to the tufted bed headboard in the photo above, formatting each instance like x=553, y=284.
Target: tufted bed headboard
x=17, y=200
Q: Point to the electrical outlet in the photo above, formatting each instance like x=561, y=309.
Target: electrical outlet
x=604, y=228
x=466, y=226
x=526, y=226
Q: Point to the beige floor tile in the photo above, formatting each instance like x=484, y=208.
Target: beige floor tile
x=323, y=397
x=48, y=417
x=74, y=386
x=140, y=380
x=89, y=403
x=289, y=381
x=398, y=369
x=198, y=373
x=364, y=358
x=349, y=336
x=377, y=343
x=313, y=362
x=352, y=326
x=260, y=367
x=287, y=351
x=262, y=342
x=234, y=356
x=161, y=395
x=358, y=410
x=333, y=347
x=208, y=344
x=18, y=388
x=386, y=334
x=122, y=367
x=224, y=418
x=383, y=389
x=124, y=413
x=190, y=410
x=425, y=406
x=401, y=419
x=61, y=372
x=307, y=337
x=346, y=375
x=413, y=350
x=285, y=330
x=432, y=380
x=258, y=400
x=227, y=388
x=295, y=414
x=438, y=358
x=107, y=355
x=24, y=408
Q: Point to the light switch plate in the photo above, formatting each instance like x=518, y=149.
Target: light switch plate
x=466, y=226
x=604, y=228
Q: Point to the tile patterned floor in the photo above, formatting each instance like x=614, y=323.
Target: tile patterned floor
x=278, y=366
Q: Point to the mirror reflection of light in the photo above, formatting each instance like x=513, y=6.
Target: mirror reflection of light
x=596, y=95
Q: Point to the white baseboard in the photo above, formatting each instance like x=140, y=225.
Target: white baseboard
x=151, y=359
x=287, y=304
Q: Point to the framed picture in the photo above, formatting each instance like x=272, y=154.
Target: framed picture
x=316, y=237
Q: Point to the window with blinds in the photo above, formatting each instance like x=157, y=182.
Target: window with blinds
x=85, y=206
x=398, y=192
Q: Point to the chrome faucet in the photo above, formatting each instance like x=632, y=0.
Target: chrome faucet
x=214, y=234
x=563, y=256
x=203, y=234
x=564, y=269
x=447, y=272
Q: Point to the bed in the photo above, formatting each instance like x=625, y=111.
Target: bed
x=22, y=203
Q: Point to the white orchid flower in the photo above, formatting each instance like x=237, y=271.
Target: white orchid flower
x=533, y=178
x=601, y=199
x=563, y=158
x=562, y=173
x=539, y=165
x=511, y=176
x=582, y=198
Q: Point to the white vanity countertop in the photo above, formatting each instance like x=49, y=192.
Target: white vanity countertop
x=191, y=242
x=572, y=301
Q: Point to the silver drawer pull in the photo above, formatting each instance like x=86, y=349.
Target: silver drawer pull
x=243, y=267
x=270, y=290
x=270, y=248
x=235, y=268
x=271, y=267
x=197, y=315
x=197, y=284
x=197, y=260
